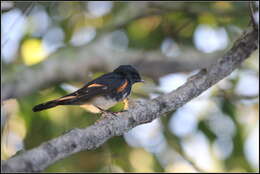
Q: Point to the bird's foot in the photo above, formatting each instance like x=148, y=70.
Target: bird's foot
x=107, y=113
x=120, y=112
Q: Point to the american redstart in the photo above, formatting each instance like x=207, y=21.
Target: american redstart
x=101, y=93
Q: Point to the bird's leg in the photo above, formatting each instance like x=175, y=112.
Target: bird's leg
x=125, y=101
x=106, y=112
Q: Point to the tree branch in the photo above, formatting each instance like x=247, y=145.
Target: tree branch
x=140, y=111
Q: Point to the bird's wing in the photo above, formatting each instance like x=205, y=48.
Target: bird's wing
x=103, y=85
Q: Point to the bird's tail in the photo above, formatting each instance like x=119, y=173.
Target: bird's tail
x=46, y=105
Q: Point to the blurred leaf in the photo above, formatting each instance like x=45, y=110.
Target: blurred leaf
x=175, y=16
x=152, y=40
x=188, y=30
x=222, y=5
x=237, y=157
x=141, y=28
x=207, y=18
x=207, y=131
x=228, y=108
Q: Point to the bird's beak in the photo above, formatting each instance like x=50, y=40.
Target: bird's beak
x=141, y=81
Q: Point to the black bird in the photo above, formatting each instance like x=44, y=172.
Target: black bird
x=101, y=93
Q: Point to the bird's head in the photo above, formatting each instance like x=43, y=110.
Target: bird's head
x=129, y=72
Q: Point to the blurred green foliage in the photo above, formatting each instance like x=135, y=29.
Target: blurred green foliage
x=178, y=22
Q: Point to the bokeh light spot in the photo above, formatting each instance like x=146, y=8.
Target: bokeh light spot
x=32, y=51
x=208, y=39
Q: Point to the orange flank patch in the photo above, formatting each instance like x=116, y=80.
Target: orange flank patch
x=122, y=87
x=65, y=98
x=95, y=85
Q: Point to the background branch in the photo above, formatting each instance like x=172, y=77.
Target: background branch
x=77, y=63
x=141, y=111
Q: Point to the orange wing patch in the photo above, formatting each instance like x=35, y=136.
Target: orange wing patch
x=122, y=87
x=95, y=85
x=65, y=98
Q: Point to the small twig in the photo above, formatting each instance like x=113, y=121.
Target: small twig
x=252, y=16
x=26, y=11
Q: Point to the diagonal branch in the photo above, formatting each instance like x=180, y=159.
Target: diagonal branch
x=141, y=111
